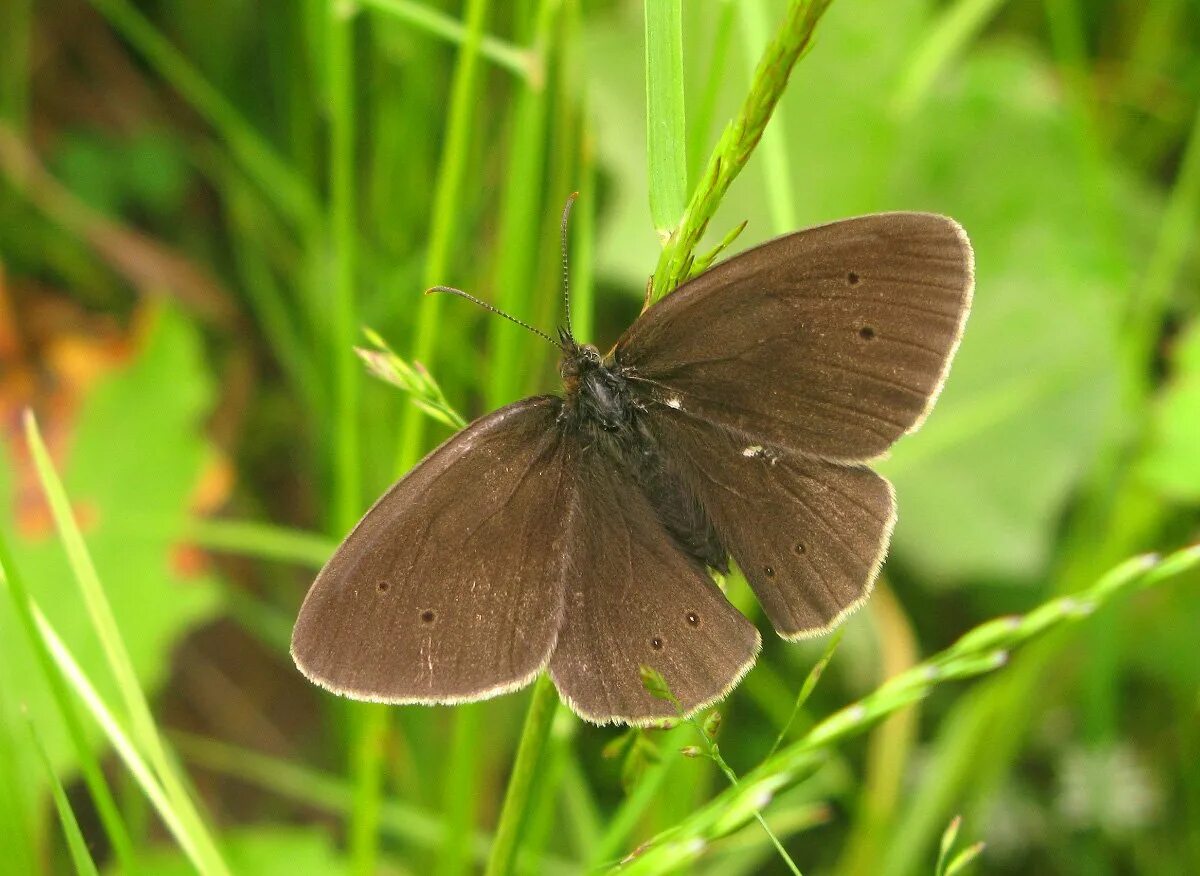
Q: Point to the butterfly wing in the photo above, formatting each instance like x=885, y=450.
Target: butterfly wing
x=632, y=599
x=833, y=341
x=808, y=534
x=450, y=588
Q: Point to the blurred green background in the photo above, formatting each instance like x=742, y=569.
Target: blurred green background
x=201, y=204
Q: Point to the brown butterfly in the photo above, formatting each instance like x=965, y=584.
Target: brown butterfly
x=574, y=533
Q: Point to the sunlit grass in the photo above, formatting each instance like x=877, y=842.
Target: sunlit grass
x=339, y=158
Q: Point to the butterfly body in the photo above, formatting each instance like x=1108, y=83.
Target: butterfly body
x=607, y=407
x=734, y=419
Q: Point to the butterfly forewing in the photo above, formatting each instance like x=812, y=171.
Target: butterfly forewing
x=632, y=599
x=450, y=587
x=832, y=341
x=808, y=534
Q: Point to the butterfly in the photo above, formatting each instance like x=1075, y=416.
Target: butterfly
x=575, y=533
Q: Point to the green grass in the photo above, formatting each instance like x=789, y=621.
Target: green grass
x=316, y=165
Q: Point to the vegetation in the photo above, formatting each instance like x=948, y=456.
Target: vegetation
x=216, y=220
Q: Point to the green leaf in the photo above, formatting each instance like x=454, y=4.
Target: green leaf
x=134, y=456
x=1171, y=463
x=1032, y=393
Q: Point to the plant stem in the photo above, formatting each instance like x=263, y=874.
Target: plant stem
x=738, y=140
x=525, y=63
x=518, y=798
x=464, y=98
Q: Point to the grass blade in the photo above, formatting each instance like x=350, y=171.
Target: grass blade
x=275, y=176
x=118, y=738
x=524, y=63
x=976, y=653
x=89, y=765
x=515, y=809
x=665, y=138
x=738, y=140
x=80, y=856
x=116, y=656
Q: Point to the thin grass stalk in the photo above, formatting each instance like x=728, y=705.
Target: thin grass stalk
x=701, y=120
x=778, y=183
x=340, y=62
x=76, y=844
x=547, y=817
x=369, y=721
x=89, y=765
x=946, y=38
x=278, y=181
x=635, y=804
x=141, y=770
x=464, y=98
x=518, y=799
x=583, y=242
x=521, y=221
x=666, y=149
x=117, y=657
x=980, y=651
x=527, y=64
x=263, y=541
x=459, y=779
x=738, y=140
x=889, y=746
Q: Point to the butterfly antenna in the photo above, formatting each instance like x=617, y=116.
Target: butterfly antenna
x=566, y=215
x=496, y=310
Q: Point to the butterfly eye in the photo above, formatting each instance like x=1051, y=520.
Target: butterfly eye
x=799, y=548
x=656, y=643
x=693, y=618
x=769, y=571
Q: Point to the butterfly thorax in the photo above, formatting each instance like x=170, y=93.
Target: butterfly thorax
x=598, y=397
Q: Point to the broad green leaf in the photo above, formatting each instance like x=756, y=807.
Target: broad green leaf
x=1033, y=390
x=132, y=458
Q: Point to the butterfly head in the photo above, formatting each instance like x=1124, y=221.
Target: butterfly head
x=578, y=360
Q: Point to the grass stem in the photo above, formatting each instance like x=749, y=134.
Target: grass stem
x=518, y=799
x=738, y=140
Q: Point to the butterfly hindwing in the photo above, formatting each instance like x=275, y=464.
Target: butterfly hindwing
x=808, y=534
x=450, y=587
x=633, y=598
x=833, y=341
